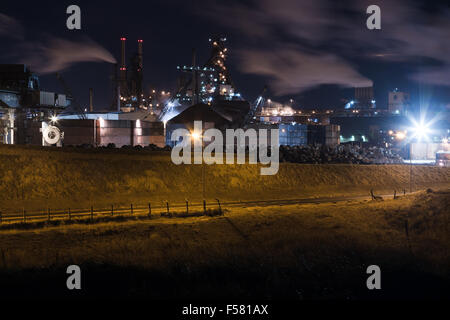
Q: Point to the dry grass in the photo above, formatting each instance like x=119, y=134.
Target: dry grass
x=36, y=178
x=297, y=251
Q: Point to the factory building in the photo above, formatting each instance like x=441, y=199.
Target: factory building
x=97, y=132
x=30, y=115
x=210, y=118
x=399, y=102
x=101, y=129
x=297, y=134
x=289, y=133
x=427, y=150
x=364, y=98
x=22, y=100
x=367, y=129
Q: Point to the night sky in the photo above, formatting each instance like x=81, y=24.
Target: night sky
x=311, y=51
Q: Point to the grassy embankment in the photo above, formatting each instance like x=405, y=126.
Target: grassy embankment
x=35, y=178
x=310, y=251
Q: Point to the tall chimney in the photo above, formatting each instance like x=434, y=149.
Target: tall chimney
x=91, y=105
x=123, y=66
x=140, y=75
x=140, y=54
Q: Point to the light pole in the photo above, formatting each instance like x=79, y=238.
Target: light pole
x=203, y=171
x=197, y=136
x=410, y=167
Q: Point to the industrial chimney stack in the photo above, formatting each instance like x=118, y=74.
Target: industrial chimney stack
x=139, y=75
x=91, y=105
x=140, y=55
x=123, y=67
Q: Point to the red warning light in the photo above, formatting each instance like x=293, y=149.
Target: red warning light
x=140, y=41
x=123, y=39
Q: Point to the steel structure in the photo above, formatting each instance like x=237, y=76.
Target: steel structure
x=206, y=83
x=128, y=80
x=255, y=107
x=23, y=104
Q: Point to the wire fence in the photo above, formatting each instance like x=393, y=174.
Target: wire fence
x=150, y=210
x=157, y=209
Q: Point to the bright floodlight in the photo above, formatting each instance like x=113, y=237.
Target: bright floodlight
x=195, y=135
x=421, y=131
x=422, y=126
x=53, y=118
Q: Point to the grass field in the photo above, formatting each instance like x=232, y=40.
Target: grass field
x=309, y=251
x=36, y=178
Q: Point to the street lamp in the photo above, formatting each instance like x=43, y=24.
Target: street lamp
x=195, y=135
x=410, y=167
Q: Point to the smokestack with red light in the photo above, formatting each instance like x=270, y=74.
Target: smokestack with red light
x=140, y=54
x=123, y=67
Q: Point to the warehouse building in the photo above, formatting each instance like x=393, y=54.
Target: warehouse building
x=120, y=129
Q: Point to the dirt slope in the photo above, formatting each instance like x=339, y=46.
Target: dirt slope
x=33, y=177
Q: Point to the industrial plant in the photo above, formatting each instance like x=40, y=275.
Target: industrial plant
x=225, y=159
x=205, y=91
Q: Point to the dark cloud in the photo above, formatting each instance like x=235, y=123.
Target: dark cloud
x=437, y=76
x=309, y=43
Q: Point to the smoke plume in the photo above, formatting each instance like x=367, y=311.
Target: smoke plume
x=56, y=54
x=294, y=71
x=50, y=54
x=10, y=27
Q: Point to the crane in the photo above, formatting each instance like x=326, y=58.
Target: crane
x=255, y=106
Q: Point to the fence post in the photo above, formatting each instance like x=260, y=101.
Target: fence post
x=24, y=216
x=70, y=215
x=218, y=202
x=131, y=208
x=112, y=210
x=149, y=210
x=187, y=207
x=167, y=206
x=92, y=212
x=204, y=206
x=48, y=214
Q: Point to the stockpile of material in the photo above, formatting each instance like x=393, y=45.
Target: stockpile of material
x=339, y=154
